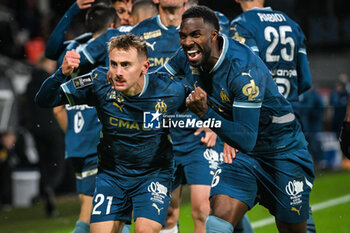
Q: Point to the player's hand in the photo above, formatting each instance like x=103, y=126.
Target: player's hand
x=84, y=4
x=229, y=153
x=197, y=102
x=110, y=79
x=70, y=61
x=344, y=139
x=209, y=138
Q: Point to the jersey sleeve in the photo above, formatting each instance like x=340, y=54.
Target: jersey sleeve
x=239, y=31
x=223, y=22
x=177, y=64
x=50, y=93
x=303, y=69
x=55, y=91
x=55, y=44
x=96, y=52
x=80, y=90
x=242, y=130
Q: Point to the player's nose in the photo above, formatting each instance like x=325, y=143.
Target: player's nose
x=187, y=42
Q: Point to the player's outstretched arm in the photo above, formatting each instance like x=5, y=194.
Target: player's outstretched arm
x=55, y=45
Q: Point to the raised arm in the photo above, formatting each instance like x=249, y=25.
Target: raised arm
x=50, y=93
x=55, y=45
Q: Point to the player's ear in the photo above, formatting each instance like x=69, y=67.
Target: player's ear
x=214, y=35
x=145, y=66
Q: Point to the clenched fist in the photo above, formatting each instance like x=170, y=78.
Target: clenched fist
x=197, y=102
x=70, y=62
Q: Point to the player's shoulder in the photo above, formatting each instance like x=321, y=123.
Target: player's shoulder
x=145, y=25
x=243, y=58
x=83, y=38
x=239, y=53
x=165, y=83
x=99, y=76
x=222, y=17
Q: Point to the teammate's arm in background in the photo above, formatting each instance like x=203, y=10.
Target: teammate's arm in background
x=303, y=70
x=344, y=138
x=55, y=45
x=60, y=114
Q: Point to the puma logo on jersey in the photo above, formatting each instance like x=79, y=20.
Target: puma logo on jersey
x=248, y=74
x=151, y=45
x=155, y=206
x=296, y=210
x=118, y=106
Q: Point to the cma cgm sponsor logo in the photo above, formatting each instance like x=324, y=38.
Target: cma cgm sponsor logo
x=157, y=61
x=158, y=192
x=294, y=189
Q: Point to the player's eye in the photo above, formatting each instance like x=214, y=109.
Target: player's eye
x=113, y=64
x=125, y=64
x=196, y=34
x=120, y=11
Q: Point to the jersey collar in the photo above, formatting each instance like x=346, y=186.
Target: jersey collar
x=162, y=25
x=260, y=9
x=223, y=54
x=145, y=85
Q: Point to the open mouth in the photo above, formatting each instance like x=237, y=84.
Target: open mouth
x=193, y=54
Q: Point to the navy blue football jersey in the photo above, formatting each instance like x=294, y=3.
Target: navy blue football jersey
x=223, y=22
x=132, y=129
x=162, y=41
x=96, y=52
x=280, y=43
x=255, y=117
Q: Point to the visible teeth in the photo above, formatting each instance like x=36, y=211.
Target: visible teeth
x=192, y=51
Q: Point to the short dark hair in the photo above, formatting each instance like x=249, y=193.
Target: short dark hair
x=99, y=17
x=144, y=4
x=203, y=12
x=128, y=41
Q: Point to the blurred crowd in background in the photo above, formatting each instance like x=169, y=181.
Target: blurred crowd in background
x=27, y=131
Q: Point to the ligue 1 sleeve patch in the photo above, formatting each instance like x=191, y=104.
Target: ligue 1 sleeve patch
x=82, y=81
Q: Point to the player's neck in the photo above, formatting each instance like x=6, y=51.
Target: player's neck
x=214, y=55
x=250, y=5
x=171, y=16
x=136, y=88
